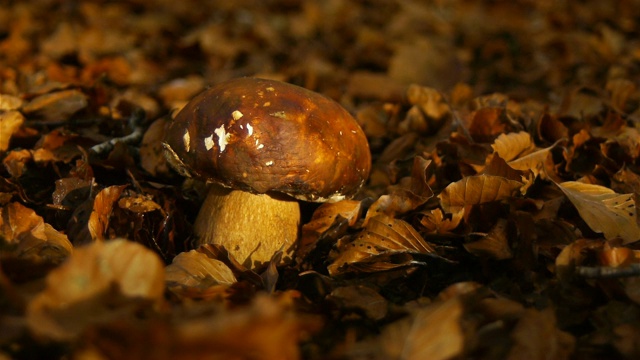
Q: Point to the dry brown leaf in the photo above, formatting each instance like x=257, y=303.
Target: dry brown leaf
x=32, y=237
x=382, y=235
x=10, y=122
x=323, y=218
x=534, y=161
x=102, y=207
x=86, y=288
x=58, y=105
x=435, y=222
x=434, y=332
x=513, y=145
x=151, y=155
x=412, y=192
x=613, y=215
x=536, y=336
x=475, y=190
x=360, y=298
x=196, y=274
x=16, y=161
x=138, y=204
x=494, y=245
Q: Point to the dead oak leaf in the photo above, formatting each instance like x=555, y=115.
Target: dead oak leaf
x=604, y=211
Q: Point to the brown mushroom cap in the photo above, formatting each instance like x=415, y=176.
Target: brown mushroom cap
x=265, y=136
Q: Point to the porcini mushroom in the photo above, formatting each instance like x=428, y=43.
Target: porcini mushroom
x=262, y=144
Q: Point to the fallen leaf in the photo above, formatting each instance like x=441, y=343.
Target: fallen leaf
x=323, y=218
x=100, y=282
x=382, y=235
x=102, y=207
x=475, y=190
x=10, y=122
x=606, y=212
x=30, y=236
x=512, y=145
x=194, y=274
x=434, y=332
x=361, y=299
x=494, y=245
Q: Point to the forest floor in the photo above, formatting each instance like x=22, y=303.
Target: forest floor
x=499, y=219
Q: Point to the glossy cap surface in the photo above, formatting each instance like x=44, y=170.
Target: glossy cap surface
x=269, y=136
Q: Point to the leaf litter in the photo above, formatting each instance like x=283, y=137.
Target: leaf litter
x=499, y=221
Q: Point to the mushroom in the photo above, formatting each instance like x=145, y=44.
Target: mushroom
x=261, y=144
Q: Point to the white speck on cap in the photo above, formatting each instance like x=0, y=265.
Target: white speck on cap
x=186, y=139
x=250, y=129
x=236, y=115
x=222, y=137
x=269, y=163
x=208, y=142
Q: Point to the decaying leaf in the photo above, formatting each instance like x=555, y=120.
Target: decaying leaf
x=613, y=215
x=382, y=237
x=194, y=274
x=100, y=282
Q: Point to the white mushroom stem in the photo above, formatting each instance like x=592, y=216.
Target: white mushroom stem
x=252, y=227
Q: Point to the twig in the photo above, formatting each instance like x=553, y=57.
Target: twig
x=137, y=131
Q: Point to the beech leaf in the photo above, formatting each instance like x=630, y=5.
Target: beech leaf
x=82, y=290
x=475, y=190
x=196, y=273
x=606, y=212
x=382, y=235
x=510, y=146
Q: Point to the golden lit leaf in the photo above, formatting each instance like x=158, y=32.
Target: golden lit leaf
x=613, y=215
x=32, y=237
x=138, y=204
x=534, y=161
x=512, y=145
x=10, y=122
x=102, y=207
x=475, y=190
x=435, y=221
x=84, y=289
x=195, y=273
